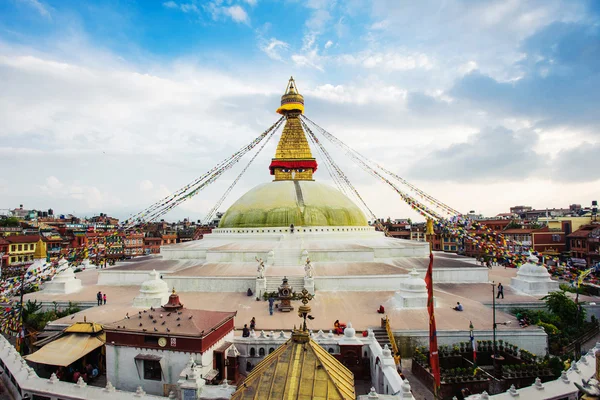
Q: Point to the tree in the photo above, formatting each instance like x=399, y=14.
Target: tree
x=564, y=308
x=10, y=222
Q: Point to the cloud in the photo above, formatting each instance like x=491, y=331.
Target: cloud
x=273, y=47
x=328, y=44
x=183, y=7
x=579, y=164
x=493, y=154
x=237, y=13
x=309, y=56
x=146, y=185
x=87, y=195
x=189, y=7
x=39, y=6
x=251, y=3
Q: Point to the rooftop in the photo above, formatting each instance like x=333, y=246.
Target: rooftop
x=185, y=322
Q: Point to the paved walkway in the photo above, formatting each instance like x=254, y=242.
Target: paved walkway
x=419, y=391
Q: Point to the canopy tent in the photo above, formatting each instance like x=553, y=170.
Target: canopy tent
x=66, y=350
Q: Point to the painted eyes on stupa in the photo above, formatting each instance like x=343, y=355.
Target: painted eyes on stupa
x=297, y=170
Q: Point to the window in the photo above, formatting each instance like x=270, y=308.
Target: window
x=556, y=238
x=252, y=352
x=271, y=349
x=20, y=247
x=261, y=352
x=152, y=370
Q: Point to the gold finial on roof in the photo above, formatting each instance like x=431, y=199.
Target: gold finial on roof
x=304, y=309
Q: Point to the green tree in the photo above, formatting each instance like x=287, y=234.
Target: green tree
x=10, y=222
x=564, y=308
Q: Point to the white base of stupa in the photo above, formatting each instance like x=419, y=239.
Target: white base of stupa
x=64, y=283
x=534, y=288
x=534, y=280
x=147, y=302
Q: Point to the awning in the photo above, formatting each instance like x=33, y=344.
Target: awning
x=66, y=350
x=148, y=357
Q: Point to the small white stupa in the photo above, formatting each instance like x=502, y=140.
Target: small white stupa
x=64, y=282
x=153, y=293
x=533, y=279
x=412, y=292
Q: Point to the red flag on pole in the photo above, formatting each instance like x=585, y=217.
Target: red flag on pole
x=434, y=360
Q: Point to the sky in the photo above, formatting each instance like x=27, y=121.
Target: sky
x=110, y=105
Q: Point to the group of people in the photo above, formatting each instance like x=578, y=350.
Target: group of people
x=72, y=374
x=246, y=331
x=101, y=298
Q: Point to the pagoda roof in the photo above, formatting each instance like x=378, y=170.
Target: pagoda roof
x=300, y=369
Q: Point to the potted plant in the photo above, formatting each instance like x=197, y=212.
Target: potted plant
x=501, y=345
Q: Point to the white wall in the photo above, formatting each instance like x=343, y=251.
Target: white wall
x=26, y=381
x=127, y=374
x=210, y=283
x=359, y=283
x=533, y=340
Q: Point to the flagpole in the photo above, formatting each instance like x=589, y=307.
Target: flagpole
x=434, y=361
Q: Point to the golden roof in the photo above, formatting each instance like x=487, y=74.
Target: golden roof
x=84, y=327
x=299, y=369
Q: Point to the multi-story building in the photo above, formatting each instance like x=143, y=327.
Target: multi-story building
x=10, y=230
x=4, y=246
x=585, y=243
x=152, y=245
x=21, y=248
x=133, y=244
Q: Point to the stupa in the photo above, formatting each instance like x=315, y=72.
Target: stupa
x=305, y=230
x=534, y=279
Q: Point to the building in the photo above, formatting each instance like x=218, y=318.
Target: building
x=133, y=244
x=4, y=252
x=585, y=243
x=152, y=245
x=520, y=210
x=150, y=349
x=22, y=248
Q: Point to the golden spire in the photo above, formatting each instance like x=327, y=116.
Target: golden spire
x=293, y=158
x=40, y=250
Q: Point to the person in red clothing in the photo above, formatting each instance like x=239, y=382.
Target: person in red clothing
x=104, y=297
x=76, y=376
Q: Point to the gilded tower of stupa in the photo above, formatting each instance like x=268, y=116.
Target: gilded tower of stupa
x=293, y=197
x=293, y=158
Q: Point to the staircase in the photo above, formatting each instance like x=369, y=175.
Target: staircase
x=287, y=257
x=382, y=337
x=296, y=282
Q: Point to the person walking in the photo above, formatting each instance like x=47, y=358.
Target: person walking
x=271, y=303
x=252, y=323
x=104, y=298
x=99, y=298
x=500, y=290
